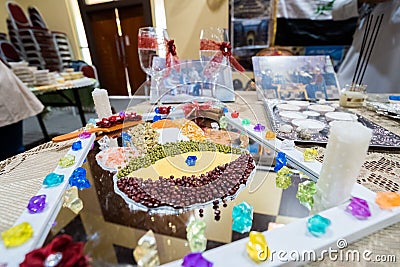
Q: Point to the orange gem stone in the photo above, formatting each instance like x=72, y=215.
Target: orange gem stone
x=387, y=200
x=270, y=135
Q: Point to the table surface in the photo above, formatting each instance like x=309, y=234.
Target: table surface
x=111, y=230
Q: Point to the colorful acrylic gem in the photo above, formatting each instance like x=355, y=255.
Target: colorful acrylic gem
x=157, y=110
x=67, y=161
x=215, y=126
x=104, y=142
x=359, y=208
x=242, y=215
x=84, y=135
x=37, y=204
x=387, y=200
x=191, y=160
x=287, y=144
x=92, y=121
x=77, y=145
x=225, y=110
x=283, y=178
x=270, y=135
x=156, y=118
x=78, y=179
x=257, y=247
x=196, y=236
x=146, y=253
x=223, y=122
x=310, y=154
x=317, y=225
x=72, y=200
x=235, y=114
x=17, y=235
x=281, y=161
x=53, y=179
x=53, y=259
x=259, y=127
x=196, y=260
x=305, y=193
x=245, y=122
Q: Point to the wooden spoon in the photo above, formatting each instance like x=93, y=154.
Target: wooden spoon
x=114, y=128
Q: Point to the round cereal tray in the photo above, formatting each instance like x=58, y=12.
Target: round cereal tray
x=168, y=209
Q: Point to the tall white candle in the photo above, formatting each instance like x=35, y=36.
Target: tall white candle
x=101, y=103
x=345, y=153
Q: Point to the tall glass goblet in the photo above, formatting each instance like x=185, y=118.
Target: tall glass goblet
x=152, y=52
x=214, y=46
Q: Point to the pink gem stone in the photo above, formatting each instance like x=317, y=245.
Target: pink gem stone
x=84, y=135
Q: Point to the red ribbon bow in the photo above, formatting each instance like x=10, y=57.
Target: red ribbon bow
x=72, y=253
x=195, y=107
x=171, y=59
x=224, y=49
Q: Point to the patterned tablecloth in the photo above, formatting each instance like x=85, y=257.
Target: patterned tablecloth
x=22, y=175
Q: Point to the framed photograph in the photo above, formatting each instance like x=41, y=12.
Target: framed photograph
x=188, y=82
x=296, y=77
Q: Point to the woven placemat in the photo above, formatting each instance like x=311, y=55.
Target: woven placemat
x=22, y=176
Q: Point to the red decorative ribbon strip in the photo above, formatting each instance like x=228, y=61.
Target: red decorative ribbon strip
x=171, y=59
x=195, y=107
x=224, y=50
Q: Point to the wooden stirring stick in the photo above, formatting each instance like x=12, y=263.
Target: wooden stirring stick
x=111, y=129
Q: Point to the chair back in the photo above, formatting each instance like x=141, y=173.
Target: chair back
x=89, y=71
x=36, y=18
x=8, y=53
x=17, y=15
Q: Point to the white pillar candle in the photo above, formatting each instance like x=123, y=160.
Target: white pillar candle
x=345, y=153
x=101, y=103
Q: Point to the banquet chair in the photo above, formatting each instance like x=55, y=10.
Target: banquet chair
x=8, y=53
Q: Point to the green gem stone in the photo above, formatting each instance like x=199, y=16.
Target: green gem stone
x=283, y=178
x=305, y=193
x=245, y=122
x=67, y=161
x=310, y=154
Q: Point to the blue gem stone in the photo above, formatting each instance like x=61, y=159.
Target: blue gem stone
x=156, y=118
x=225, y=110
x=242, y=215
x=126, y=137
x=77, y=145
x=157, y=110
x=280, y=161
x=191, y=160
x=78, y=179
x=53, y=179
x=317, y=225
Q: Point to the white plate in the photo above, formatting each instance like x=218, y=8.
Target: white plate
x=312, y=125
x=170, y=135
x=301, y=104
x=312, y=114
x=288, y=116
x=321, y=108
x=340, y=116
x=288, y=107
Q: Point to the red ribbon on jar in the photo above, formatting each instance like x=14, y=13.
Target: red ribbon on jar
x=224, y=50
x=195, y=107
